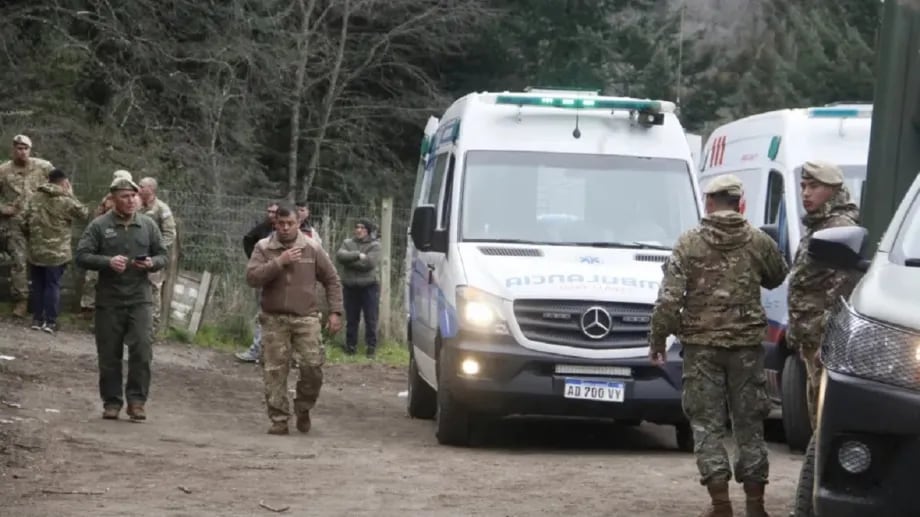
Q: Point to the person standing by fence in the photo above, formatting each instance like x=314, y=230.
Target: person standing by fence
x=258, y=232
x=19, y=178
x=286, y=266
x=48, y=226
x=360, y=260
x=124, y=246
x=154, y=208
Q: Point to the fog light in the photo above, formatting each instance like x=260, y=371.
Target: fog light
x=855, y=457
x=470, y=367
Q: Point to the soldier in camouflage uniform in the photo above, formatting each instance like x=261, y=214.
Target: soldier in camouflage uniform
x=814, y=288
x=286, y=266
x=47, y=225
x=710, y=300
x=123, y=246
x=159, y=211
x=88, y=294
x=19, y=178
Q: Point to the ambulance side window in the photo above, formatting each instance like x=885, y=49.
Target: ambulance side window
x=437, y=179
x=775, y=190
x=444, y=206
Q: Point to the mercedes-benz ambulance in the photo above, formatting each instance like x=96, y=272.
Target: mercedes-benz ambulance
x=541, y=223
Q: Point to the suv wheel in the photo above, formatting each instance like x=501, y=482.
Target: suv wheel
x=796, y=422
x=684, y=435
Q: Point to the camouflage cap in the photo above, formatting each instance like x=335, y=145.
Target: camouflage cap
x=822, y=172
x=124, y=184
x=121, y=174
x=727, y=183
x=22, y=140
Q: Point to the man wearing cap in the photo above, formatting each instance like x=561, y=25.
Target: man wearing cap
x=88, y=294
x=47, y=224
x=360, y=260
x=710, y=300
x=19, y=179
x=159, y=211
x=123, y=246
x=815, y=288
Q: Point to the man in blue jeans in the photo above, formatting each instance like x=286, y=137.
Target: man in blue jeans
x=360, y=260
x=47, y=225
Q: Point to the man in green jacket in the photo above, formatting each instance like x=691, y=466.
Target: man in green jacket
x=124, y=246
x=360, y=260
x=47, y=225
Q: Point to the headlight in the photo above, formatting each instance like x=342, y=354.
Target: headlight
x=480, y=311
x=870, y=349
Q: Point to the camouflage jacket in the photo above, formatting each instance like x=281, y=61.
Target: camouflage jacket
x=813, y=287
x=47, y=224
x=17, y=184
x=710, y=294
x=163, y=216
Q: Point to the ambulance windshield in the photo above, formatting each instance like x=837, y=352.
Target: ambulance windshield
x=575, y=199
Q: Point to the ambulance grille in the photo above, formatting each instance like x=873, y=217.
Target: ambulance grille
x=510, y=252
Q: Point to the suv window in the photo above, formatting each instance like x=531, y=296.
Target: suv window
x=907, y=243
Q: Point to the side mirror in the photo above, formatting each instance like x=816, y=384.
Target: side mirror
x=423, y=230
x=840, y=247
x=772, y=230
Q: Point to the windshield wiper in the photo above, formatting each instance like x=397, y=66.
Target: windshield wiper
x=630, y=245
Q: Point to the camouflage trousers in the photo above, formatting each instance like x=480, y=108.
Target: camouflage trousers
x=723, y=383
x=14, y=243
x=285, y=337
x=88, y=294
x=156, y=291
x=814, y=368
x=805, y=333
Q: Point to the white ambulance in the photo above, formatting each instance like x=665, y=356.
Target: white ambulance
x=541, y=222
x=766, y=152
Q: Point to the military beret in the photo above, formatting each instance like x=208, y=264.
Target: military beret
x=727, y=183
x=123, y=184
x=822, y=172
x=22, y=140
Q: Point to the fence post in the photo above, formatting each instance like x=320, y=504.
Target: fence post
x=386, y=262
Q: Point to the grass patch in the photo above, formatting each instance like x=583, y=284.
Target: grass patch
x=210, y=336
x=391, y=353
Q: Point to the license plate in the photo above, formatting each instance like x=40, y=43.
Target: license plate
x=602, y=391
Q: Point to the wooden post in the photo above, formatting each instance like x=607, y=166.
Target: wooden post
x=198, y=310
x=169, y=286
x=386, y=262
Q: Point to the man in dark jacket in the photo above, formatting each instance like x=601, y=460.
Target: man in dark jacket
x=360, y=260
x=257, y=233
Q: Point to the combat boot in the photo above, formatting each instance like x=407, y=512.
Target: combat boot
x=111, y=412
x=136, y=412
x=20, y=309
x=753, y=503
x=280, y=427
x=721, y=505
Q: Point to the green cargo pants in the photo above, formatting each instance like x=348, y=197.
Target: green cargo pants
x=116, y=328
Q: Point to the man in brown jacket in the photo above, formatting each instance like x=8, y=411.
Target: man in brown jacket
x=286, y=266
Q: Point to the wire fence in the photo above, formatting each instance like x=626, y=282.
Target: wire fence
x=211, y=229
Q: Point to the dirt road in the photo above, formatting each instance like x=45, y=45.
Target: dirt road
x=204, y=450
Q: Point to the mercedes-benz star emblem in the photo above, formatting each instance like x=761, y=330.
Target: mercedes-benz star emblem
x=596, y=323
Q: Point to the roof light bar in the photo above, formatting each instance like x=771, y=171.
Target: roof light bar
x=839, y=113
x=603, y=103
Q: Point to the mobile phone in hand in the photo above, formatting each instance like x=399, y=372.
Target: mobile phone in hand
x=140, y=258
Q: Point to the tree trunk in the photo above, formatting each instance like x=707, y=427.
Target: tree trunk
x=303, y=46
x=332, y=94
